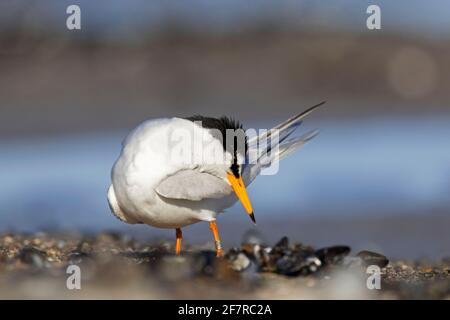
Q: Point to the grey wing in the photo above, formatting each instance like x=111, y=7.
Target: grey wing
x=193, y=185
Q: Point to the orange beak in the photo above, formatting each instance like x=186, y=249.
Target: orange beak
x=239, y=188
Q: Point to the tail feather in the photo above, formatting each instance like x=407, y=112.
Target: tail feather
x=285, y=125
x=282, y=147
x=294, y=144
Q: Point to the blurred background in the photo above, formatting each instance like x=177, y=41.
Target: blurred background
x=377, y=177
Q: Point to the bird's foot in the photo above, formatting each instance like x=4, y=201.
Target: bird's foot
x=220, y=253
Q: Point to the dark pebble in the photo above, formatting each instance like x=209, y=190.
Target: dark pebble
x=76, y=257
x=32, y=256
x=282, y=244
x=372, y=258
x=293, y=265
x=332, y=255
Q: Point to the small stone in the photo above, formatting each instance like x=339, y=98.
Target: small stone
x=85, y=247
x=32, y=256
x=332, y=255
x=429, y=275
x=313, y=264
x=37, y=241
x=76, y=257
x=295, y=264
x=282, y=244
x=256, y=253
x=373, y=258
x=240, y=262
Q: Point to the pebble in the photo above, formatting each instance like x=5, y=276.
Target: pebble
x=372, y=258
x=32, y=256
x=332, y=255
x=294, y=260
x=76, y=257
x=238, y=260
x=282, y=258
x=293, y=265
x=249, y=264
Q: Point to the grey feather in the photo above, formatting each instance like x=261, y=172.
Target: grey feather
x=289, y=123
x=193, y=185
x=251, y=171
x=282, y=148
x=294, y=144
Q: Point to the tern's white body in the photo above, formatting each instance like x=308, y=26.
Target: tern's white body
x=145, y=161
x=152, y=185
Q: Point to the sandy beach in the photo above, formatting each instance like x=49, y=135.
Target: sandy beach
x=114, y=266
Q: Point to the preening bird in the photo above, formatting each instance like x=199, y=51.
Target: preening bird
x=162, y=179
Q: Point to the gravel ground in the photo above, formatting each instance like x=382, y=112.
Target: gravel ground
x=115, y=266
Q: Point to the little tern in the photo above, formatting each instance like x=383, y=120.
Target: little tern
x=152, y=184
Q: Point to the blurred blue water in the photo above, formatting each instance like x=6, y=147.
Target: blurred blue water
x=353, y=167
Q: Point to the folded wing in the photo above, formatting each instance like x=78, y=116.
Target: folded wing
x=193, y=185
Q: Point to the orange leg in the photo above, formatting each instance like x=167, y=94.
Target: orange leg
x=215, y=231
x=179, y=238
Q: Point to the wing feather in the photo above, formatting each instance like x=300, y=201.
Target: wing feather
x=193, y=185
